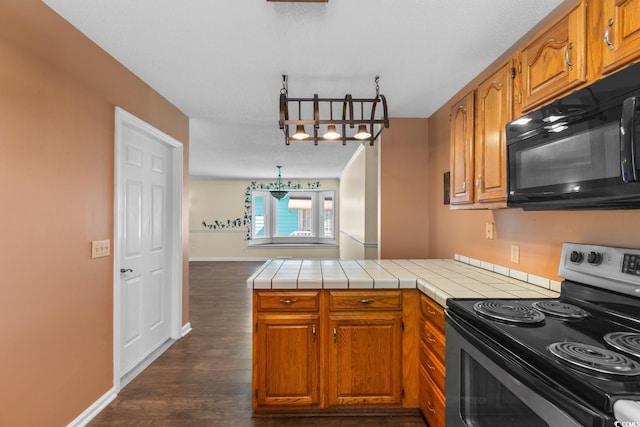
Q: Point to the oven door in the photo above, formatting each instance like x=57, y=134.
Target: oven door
x=487, y=389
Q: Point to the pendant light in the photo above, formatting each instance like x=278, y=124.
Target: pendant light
x=345, y=127
x=362, y=133
x=331, y=133
x=278, y=192
x=300, y=132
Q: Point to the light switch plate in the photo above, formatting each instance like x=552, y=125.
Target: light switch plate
x=489, y=231
x=100, y=248
x=515, y=254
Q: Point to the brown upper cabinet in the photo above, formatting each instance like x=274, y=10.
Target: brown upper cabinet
x=555, y=61
x=478, y=145
x=584, y=43
x=493, y=111
x=620, y=40
x=462, y=165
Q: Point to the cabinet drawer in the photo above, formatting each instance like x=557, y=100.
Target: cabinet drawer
x=432, y=312
x=365, y=300
x=434, y=339
x=287, y=301
x=432, y=402
x=432, y=365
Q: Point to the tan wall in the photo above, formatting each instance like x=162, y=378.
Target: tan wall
x=404, y=185
x=538, y=234
x=58, y=92
x=222, y=200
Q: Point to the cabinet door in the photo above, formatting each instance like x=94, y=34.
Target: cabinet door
x=493, y=111
x=554, y=62
x=286, y=360
x=462, y=151
x=365, y=360
x=621, y=35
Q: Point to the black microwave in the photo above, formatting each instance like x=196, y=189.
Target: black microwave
x=581, y=151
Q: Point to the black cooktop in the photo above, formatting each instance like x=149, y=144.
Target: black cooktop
x=537, y=341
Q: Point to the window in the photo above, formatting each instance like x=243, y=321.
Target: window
x=304, y=216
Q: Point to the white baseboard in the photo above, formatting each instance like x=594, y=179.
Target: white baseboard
x=197, y=259
x=186, y=329
x=93, y=410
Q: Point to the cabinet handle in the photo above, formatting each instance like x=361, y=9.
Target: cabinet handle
x=288, y=301
x=464, y=186
x=430, y=338
x=367, y=301
x=567, y=56
x=480, y=183
x=335, y=334
x=313, y=332
x=430, y=311
x=606, y=35
x=430, y=366
x=430, y=407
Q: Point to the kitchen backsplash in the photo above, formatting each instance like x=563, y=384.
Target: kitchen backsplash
x=543, y=282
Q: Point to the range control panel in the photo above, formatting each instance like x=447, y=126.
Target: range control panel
x=631, y=264
x=602, y=266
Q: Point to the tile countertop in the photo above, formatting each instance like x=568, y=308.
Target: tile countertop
x=439, y=279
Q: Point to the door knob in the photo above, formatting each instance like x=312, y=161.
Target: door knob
x=126, y=270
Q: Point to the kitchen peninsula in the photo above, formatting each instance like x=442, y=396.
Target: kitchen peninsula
x=352, y=335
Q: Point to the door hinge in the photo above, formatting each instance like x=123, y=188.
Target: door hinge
x=402, y=325
x=513, y=73
x=403, y=393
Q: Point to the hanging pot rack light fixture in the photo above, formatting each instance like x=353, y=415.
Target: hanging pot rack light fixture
x=341, y=129
x=279, y=191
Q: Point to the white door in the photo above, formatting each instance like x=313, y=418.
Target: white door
x=146, y=242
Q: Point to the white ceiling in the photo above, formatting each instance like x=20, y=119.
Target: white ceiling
x=221, y=62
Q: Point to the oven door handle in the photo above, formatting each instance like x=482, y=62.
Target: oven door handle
x=629, y=140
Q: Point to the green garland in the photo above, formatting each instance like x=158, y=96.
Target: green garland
x=246, y=221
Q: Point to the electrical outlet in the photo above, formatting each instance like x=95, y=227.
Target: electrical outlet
x=515, y=254
x=100, y=248
x=489, y=231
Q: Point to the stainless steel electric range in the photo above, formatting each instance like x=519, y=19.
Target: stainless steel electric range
x=572, y=361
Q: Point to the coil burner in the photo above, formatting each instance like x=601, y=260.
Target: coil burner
x=508, y=311
x=560, y=309
x=624, y=341
x=594, y=359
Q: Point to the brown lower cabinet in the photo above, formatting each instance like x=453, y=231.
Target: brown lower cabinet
x=431, y=400
x=432, y=361
x=365, y=350
x=286, y=344
x=334, y=350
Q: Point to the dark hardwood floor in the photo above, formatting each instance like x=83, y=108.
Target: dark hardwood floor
x=204, y=379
